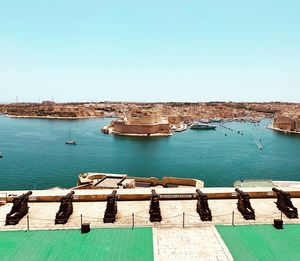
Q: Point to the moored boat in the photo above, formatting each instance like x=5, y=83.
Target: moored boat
x=70, y=141
x=202, y=126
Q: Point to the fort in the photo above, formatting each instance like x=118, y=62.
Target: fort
x=143, y=124
x=286, y=123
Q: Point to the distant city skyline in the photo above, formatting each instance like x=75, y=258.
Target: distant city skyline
x=150, y=51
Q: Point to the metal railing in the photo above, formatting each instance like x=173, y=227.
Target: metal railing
x=132, y=220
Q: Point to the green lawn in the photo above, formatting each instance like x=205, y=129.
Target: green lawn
x=262, y=242
x=99, y=244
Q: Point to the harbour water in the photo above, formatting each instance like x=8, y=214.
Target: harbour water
x=35, y=154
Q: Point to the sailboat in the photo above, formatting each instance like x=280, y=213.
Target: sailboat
x=70, y=141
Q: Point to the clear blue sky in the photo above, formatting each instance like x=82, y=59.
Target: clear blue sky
x=150, y=50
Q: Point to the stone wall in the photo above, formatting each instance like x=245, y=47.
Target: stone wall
x=298, y=124
x=122, y=127
x=284, y=123
x=178, y=119
x=143, y=119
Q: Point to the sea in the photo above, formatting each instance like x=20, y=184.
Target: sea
x=35, y=155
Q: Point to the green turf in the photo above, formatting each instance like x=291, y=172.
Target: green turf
x=99, y=244
x=262, y=242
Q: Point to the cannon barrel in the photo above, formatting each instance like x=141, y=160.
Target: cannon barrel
x=69, y=195
x=281, y=192
x=22, y=197
x=153, y=193
x=239, y=191
x=200, y=193
x=25, y=195
x=113, y=194
x=277, y=190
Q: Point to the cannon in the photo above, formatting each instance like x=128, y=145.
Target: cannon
x=202, y=206
x=111, y=208
x=154, y=210
x=65, y=209
x=244, y=205
x=19, y=209
x=285, y=204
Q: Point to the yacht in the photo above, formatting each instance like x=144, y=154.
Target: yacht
x=70, y=141
x=202, y=126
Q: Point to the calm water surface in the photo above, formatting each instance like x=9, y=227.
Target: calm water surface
x=35, y=155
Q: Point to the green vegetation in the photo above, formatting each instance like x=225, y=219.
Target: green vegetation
x=262, y=242
x=98, y=244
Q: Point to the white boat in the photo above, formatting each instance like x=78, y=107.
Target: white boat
x=182, y=127
x=70, y=141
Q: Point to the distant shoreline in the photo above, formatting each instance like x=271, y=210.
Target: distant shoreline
x=271, y=127
x=52, y=118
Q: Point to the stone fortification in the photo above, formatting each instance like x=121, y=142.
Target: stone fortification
x=144, y=124
x=287, y=123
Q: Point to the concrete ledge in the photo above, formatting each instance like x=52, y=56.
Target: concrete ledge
x=140, y=194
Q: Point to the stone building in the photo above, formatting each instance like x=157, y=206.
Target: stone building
x=141, y=125
x=286, y=123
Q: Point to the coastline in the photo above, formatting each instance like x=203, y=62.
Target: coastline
x=51, y=117
x=271, y=127
x=141, y=135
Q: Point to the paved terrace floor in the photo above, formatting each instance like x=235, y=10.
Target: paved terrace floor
x=42, y=215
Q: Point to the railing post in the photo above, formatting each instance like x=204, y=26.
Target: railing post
x=132, y=220
x=183, y=217
x=232, y=221
x=27, y=222
x=80, y=221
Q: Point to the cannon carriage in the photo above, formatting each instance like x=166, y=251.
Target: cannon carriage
x=19, y=209
x=285, y=204
x=244, y=205
x=65, y=209
x=111, y=208
x=202, y=206
x=154, y=209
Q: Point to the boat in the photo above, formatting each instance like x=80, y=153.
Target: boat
x=70, y=141
x=173, y=127
x=182, y=127
x=1, y=155
x=202, y=126
x=215, y=120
